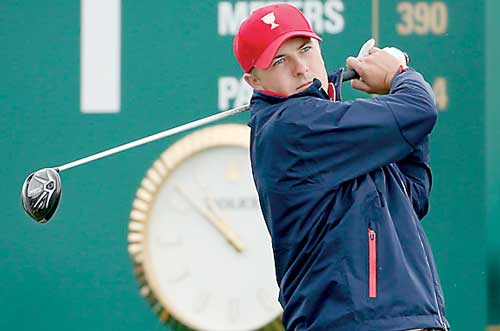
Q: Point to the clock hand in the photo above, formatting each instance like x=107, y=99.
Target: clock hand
x=215, y=220
x=216, y=212
x=212, y=206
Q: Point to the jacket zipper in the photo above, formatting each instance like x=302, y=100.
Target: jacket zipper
x=403, y=186
x=428, y=264
x=372, y=263
x=434, y=290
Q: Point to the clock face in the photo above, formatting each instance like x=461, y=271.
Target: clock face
x=205, y=249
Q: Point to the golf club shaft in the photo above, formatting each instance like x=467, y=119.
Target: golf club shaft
x=157, y=136
x=191, y=125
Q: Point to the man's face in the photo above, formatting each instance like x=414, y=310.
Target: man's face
x=296, y=64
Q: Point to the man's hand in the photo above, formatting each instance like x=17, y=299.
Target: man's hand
x=376, y=70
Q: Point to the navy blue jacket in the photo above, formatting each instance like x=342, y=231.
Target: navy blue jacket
x=342, y=186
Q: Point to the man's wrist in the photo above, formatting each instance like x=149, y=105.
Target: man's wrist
x=401, y=70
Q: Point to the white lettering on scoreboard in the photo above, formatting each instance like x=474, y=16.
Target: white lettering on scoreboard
x=101, y=48
x=326, y=17
x=233, y=92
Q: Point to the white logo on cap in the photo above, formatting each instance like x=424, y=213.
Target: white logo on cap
x=269, y=19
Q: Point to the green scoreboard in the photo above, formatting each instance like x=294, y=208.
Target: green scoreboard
x=78, y=77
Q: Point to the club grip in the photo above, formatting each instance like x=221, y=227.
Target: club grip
x=351, y=74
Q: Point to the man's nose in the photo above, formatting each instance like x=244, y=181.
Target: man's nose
x=301, y=67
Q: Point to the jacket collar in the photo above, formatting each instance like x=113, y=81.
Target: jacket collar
x=263, y=99
x=270, y=97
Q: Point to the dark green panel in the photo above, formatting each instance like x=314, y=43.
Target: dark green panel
x=493, y=159
x=75, y=272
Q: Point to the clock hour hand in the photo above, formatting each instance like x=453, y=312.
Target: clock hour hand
x=215, y=220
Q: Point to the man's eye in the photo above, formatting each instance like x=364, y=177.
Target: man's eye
x=278, y=61
x=306, y=49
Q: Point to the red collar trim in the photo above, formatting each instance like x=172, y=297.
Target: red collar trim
x=331, y=91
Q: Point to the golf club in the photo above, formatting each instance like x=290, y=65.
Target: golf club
x=41, y=191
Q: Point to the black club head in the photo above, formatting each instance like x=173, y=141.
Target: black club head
x=41, y=193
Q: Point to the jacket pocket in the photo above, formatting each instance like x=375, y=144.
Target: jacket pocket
x=372, y=263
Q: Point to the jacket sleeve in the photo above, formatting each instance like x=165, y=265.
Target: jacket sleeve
x=417, y=177
x=339, y=141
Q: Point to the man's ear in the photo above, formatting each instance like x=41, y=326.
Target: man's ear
x=253, y=81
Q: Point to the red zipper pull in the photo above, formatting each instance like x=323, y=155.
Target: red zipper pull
x=372, y=263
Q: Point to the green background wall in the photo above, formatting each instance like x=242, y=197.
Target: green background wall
x=75, y=272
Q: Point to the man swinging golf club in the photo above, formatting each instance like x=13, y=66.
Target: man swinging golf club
x=342, y=185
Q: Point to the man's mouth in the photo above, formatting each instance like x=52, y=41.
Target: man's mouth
x=304, y=85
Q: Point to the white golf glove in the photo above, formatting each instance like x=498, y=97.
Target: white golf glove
x=398, y=54
x=365, y=49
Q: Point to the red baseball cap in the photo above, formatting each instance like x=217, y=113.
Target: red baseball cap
x=261, y=35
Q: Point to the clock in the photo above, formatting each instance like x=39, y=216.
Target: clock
x=200, y=248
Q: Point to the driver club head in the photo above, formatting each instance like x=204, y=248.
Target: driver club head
x=41, y=193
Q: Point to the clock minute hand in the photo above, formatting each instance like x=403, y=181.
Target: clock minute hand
x=215, y=220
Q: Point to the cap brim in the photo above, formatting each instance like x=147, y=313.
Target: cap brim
x=266, y=58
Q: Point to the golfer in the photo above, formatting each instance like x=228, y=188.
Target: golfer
x=343, y=185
